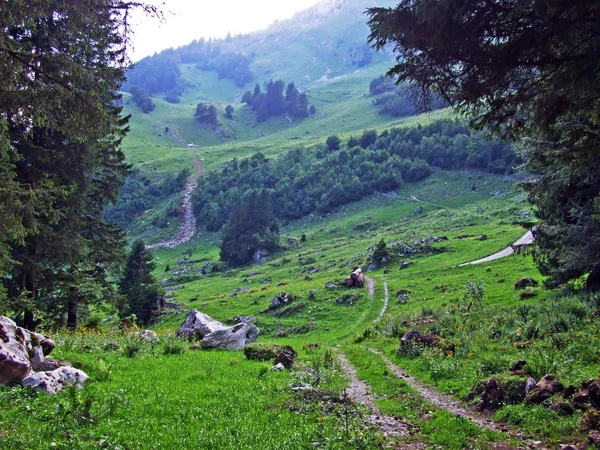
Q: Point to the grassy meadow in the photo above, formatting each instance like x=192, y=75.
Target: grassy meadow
x=165, y=395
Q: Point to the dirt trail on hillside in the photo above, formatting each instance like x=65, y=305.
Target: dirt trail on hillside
x=370, y=282
x=526, y=239
x=443, y=401
x=359, y=393
x=386, y=300
x=188, y=227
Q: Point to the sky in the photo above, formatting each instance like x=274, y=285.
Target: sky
x=186, y=20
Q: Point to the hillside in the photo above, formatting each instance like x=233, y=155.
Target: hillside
x=431, y=352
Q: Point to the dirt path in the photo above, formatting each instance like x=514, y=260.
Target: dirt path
x=370, y=282
x=386, y=300
x=188, y=227
x=359, y=393
x=439, y=400
x=527, y=238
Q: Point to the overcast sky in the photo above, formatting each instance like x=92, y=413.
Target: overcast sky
x=186, y=20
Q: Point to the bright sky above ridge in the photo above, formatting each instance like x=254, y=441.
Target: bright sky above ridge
x=186, y=20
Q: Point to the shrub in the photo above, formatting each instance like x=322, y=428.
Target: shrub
x=131, y=349
x=173, y=348
x=261, y=352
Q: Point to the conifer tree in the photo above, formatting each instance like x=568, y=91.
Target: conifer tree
x=61, y=63
x=138, y=284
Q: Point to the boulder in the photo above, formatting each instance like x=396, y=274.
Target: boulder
x=581, y=400
x=231, y=338
x=544, y=389
x=278, y=366
x=518, y=365
x=410, y=336
x=50, y=364
x=561, y=408
x=146, y=336
x=427, y=340
x=14, y=359
x=56, y=380
x=198, y=325
x=501, y=390
x=525, y=282
x=287, y=357
x=594, y=393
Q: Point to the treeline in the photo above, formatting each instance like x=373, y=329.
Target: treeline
x=273, y=102
x=157, y=74
x=396, y=101
x=160, y=73
x=450, y=144
x=306, y=181
x=140, y=194
x=301, y=182
x=143, y=100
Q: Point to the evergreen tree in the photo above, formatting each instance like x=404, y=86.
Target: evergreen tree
x=542, y=87
x=61, y=63
x=229, y=112
x=333, y=143
x=251, y=226
x=138, y=284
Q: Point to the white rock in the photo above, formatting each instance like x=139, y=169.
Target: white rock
x=232, y=338
x=197, y=324
x=146, y=336
x=56, y=380
x=278, y=366
x=14, y=359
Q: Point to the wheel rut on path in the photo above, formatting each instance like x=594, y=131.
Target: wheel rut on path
x=359, y=393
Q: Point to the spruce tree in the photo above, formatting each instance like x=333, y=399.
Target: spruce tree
x=138, y=284
x=61, y=63
x=528, y=70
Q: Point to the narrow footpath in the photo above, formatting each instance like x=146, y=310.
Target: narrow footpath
x=188, y=227
x=359, y=393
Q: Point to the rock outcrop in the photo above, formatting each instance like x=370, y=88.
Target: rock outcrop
x=197, y=325
x=231, y=338
x=56, y=380
x=22, y=352
x=544, y=389
x=14, y=359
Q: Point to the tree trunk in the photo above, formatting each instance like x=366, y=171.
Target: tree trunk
x=29, y=320
x=72, y=314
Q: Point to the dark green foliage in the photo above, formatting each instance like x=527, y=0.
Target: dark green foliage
x=273, y=102
x=229, y=111
x=543, y=88
x=368, y=138
x=60, y=65
x=232, y=66
x=380, y=85
x=138, y=285
x=353, y=142
x=206, y=113
x=299, y=182
x=140, y=194
x=141, y=99
x=251, y=226
x=155, y=74
x=381, y=251
x=333, y=143
x=261, y=352
x=451, y=144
